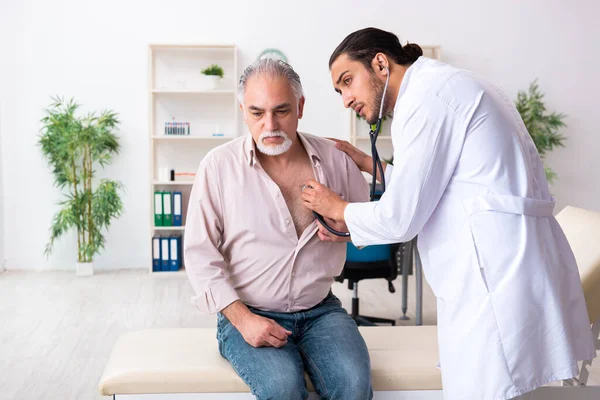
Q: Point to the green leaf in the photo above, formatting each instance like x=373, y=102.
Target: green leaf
x=550, y=175
x=107, y=204
x=62, y=222
x=214, y=69
x=543, y=128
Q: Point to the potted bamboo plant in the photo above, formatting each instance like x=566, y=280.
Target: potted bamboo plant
x=73, y=146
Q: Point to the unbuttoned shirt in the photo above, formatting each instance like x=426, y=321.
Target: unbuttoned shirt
x=240, y=240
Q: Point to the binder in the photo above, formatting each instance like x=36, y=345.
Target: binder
x=177, y=217
x=164, y=254
x=175, y=253
x=156, y=262
x=167, y=213
x=158, y=209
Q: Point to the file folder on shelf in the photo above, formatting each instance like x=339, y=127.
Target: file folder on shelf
x=156, y=259
x=164, y=254
x=175, y=253
x=167, y=209
x=177, y=215
x=158, y=209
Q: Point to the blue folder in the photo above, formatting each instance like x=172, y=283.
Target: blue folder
x=164, y=254
x=156, y=265
x=175, y=253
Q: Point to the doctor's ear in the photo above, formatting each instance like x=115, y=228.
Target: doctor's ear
x=380, y=64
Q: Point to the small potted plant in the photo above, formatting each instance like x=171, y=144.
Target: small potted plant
x=213, y=75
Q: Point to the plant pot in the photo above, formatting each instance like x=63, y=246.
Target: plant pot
x=211, y=82
x=85, y=269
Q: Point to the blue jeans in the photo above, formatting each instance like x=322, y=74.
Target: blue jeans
x=325, y=342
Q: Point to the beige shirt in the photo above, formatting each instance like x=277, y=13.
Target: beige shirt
x=240, y=241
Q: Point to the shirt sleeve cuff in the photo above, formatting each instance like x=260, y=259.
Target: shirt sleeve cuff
x=216, y=298
x=354, y=223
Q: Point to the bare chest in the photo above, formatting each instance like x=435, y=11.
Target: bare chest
x=290, y=184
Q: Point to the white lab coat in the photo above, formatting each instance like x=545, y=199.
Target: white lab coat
x=468, y=180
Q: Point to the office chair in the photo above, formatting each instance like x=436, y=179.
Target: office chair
x=371, y=262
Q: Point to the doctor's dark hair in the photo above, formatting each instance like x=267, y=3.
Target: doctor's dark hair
x=364, y=44
x=273, y=69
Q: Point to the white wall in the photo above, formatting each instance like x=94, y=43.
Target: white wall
x=1, y=193
x=96, y=51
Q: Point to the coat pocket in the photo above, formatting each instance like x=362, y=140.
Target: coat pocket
x=443, y=272
x=499, y=246
x=510, y=247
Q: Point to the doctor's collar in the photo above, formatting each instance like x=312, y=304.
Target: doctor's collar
x=416, y=66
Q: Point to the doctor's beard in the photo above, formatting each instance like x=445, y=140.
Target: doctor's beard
x=377, y=87
x=274, y=150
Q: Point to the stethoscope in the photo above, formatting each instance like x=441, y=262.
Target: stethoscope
x=376, y=162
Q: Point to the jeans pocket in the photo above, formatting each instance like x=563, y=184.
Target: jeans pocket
x=223, y=327
x=220, y=345
x=336, y=300
x=219, y=323
x=331, y=303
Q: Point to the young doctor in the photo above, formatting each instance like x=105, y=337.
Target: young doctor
x=468, y=180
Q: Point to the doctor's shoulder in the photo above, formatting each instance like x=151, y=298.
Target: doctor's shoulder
x=460, y=88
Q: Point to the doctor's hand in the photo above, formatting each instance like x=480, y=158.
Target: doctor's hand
x=363, y=161
x=324, y=201
x=327, y=236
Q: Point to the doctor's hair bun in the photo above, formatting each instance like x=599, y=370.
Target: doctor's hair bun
x=364, y=44
x=413, y=51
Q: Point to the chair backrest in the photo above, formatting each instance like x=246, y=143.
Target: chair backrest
x=368, y=254
x=582, y=229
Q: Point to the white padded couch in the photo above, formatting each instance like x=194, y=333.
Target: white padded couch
x=184, y=364
x=188, y=361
